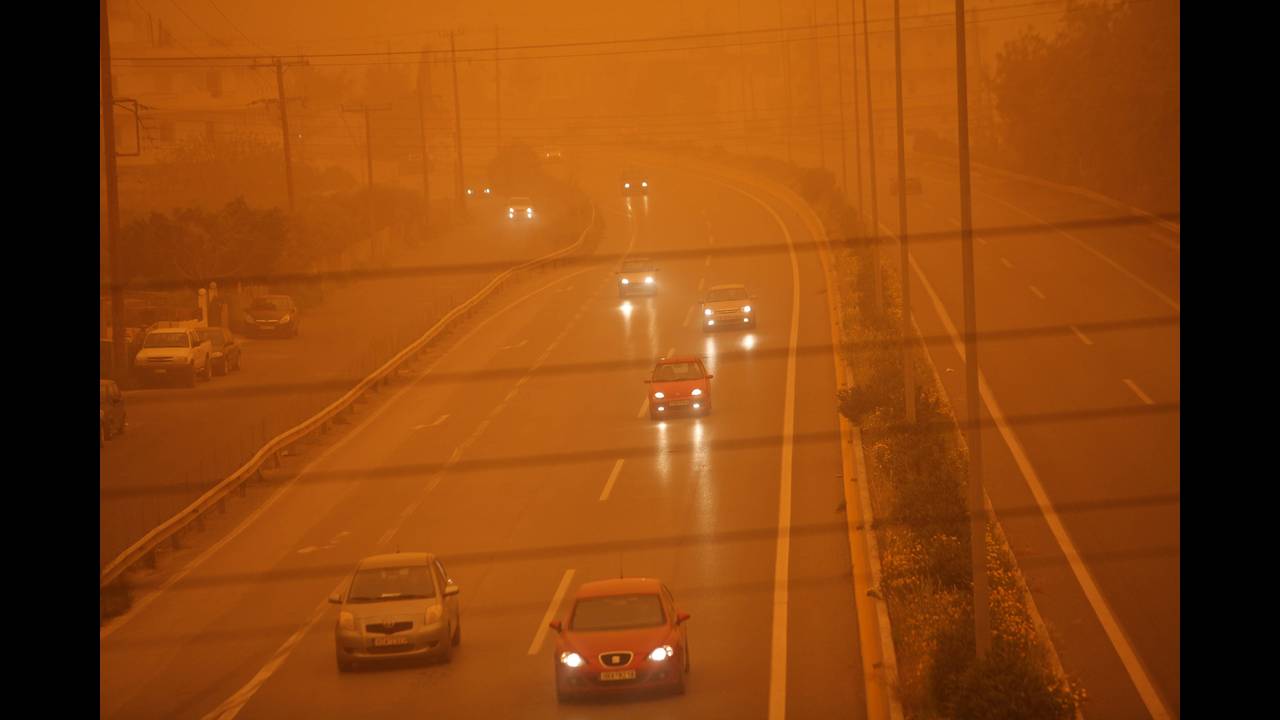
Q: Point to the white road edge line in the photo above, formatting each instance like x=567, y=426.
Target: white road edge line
x=1006, y=263
x=701, y=283
x=1138, y=391
x=556, y=599
x=708, y=262
x=1132, y=663
x=613, y=476
x=1036, y=291
x=1084, y=339
x=688, y=316
x=644, y=405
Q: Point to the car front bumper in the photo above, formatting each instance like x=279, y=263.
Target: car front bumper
x=680, y=405
x=267, y=328
x=422, y=641
x=649, y=676
x=638, y=288
x=161, y=371
x=728, y=320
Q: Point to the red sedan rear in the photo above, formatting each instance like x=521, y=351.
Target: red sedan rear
x=620, y=636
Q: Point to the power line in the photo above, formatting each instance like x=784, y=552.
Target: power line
x=235, y=27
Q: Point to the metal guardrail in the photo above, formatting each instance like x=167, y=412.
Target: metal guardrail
x=216, y=495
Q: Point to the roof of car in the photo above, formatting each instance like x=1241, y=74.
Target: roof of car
x=396, y=560
x=619, y=586
x=678, y=359
x=728, y=287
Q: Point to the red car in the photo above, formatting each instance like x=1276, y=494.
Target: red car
x=679, y=383
x=619, y=636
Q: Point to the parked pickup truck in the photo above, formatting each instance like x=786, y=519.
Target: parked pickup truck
x=174, y=352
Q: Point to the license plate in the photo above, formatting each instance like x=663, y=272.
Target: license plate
x=618, y=675
x=677, y=403
x=385, y=641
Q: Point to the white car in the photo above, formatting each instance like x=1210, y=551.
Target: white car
x=638, y=276
x=728, y=306
x=520, y=208
x=174, y=352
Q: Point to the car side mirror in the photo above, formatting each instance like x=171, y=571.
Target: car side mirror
x=336, y=598
x=710, y=376
x=450, y=590
x=681, y=617
x=556, y=625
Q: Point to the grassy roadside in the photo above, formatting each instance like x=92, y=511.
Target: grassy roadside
x=917, y=479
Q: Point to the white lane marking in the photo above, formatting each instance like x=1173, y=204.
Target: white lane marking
x=782, y=558
x=234, y=704
x=1081, y=335
x=1172, y=245
x=711, y=239
x=701, y=283
x=438, y=421
x=644, y=405
x=981, y=240
x=1138, y=391
x=510, y=395
x=708, y=262
x=613, y=476
x=543, y=626
x=1035, y=290
x=688, y=316
x=307, y=549
x=408, y=510
x=386, y=536
x=1132, y=663
x=1006, y=263
x=524, y=342
x=522, y=381
x=670, y=351
x=339, y=536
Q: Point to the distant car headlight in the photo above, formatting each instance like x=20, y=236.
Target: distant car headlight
x=626, y=281
x=696, y=391
x=511, y=211
x=346, y=620
x=528, y=212
x=469, y=191
x=648, y=280
x=746, y=308
x=659, y=395
x=644, y=183
x=486, y=191
x=660, y=654
x=626, y=186
x=572, y=659
x=707, y=312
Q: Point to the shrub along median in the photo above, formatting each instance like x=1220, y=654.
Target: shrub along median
x=917, y=478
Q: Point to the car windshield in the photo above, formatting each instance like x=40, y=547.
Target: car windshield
x=677, y=371
x=166, y=340
x=720, y=294
x=617, y=612
x=393, y=583
x=636, y=266
x=269, y=303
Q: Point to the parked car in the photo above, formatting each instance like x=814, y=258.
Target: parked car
x=272, y=315
x=111, y=412
x=620, y=636
x=174, y=351
x=225, y=349
x=398, y=605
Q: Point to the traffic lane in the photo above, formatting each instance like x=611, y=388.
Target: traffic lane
x=1131, y=239
x=208, y=590
x=573, y=524
x=359, y=326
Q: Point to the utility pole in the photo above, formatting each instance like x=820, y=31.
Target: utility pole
x=279, y=66
x=908, y=377
x=457, y=125
x=115, y=258
x=844, y=152
x=368, y=148
x=973, y=433
x=871, y=156
x=424, y=88
x=786, y=49
x=817, y=84
x=497, y=93
x=857, y=119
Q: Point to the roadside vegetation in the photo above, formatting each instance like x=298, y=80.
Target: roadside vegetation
x=918, y=476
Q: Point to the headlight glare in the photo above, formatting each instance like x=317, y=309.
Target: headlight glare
x=746, y=308
x=626, y=281
x=697, y=391
x=661, y=653
x=572, y=659
x=706, y=311
x=648, y=280
x=659, y=395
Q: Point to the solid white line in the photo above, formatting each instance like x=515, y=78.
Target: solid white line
x=613, y=476
x=688, y=316
x=234, y=704
x=1037, y=292
x=1006, y=263
x=386, y=536
x=708, y=263
x=510, y=395
x=1081, y=335
x=543, y=626
x=644, y=405
x=711, y=240
x=981, y=240
x=1138, y=391
x=701, y=282
x=1132, y=663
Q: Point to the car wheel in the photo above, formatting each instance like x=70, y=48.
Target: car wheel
x=208, y=369
x=236, y=367
x=345, y=665
x=191, y=378
x=653, y=414
x=220, y=368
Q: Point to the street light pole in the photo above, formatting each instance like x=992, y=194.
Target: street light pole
x=908, y=377
x=871, y=157
x=973, y=432
x=457, y=125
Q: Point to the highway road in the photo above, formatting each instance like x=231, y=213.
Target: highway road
x=524, y=456
x=1081, y=354
x=179, y=441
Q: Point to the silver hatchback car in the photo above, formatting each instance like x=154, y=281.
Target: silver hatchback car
x=401, y=605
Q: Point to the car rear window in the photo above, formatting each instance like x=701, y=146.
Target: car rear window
x=636, y=266
x=617, y=612
x=392, y=583
x=166, y=340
